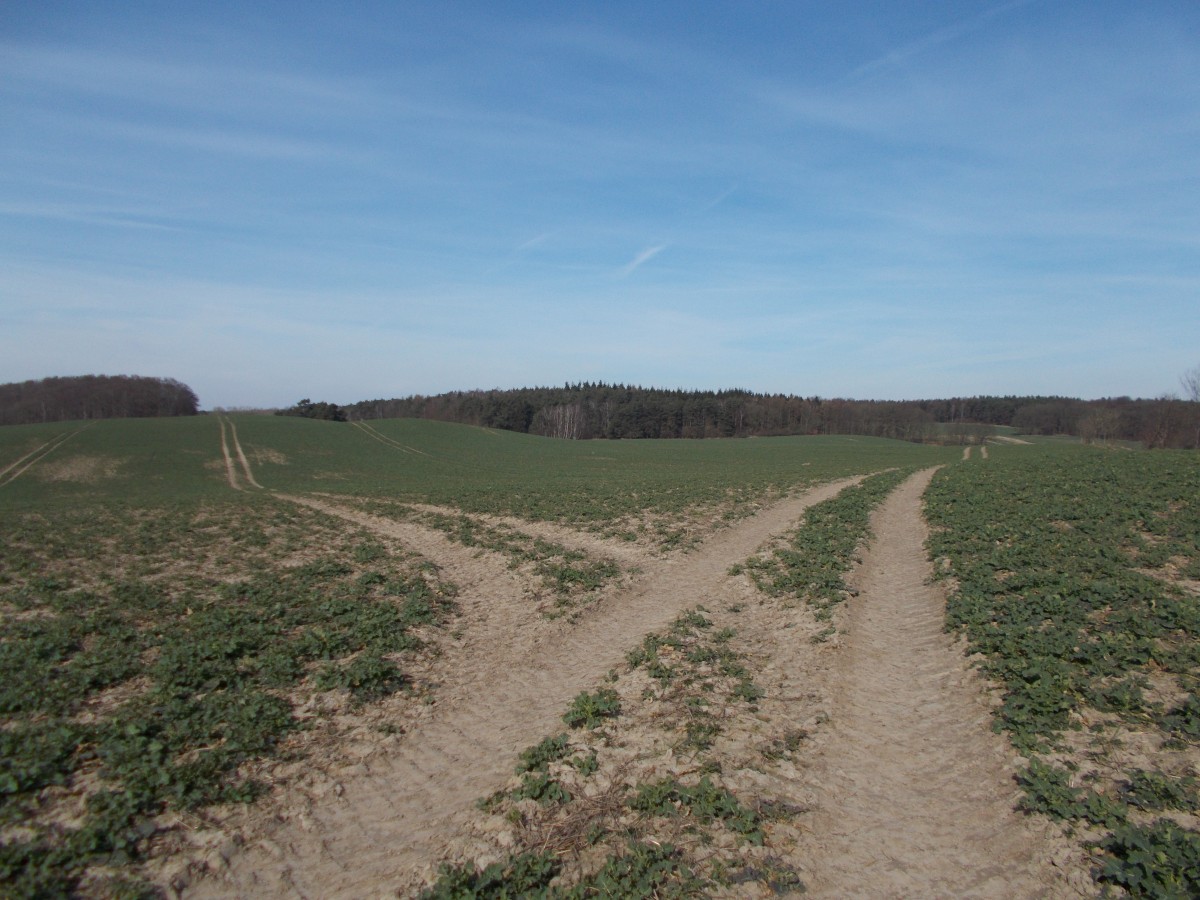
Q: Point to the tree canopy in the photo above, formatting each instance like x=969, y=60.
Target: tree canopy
x=94, y=397
x=587, y=410
x=307, y=409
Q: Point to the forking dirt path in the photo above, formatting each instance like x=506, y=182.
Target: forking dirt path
x=907, y=791
x=913, y=791
x=391, y=822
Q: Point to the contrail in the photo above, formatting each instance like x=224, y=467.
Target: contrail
x=934, y=38
x=646, y=255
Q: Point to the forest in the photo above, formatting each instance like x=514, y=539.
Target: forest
x=585, y=410
x=597, y=410
x=94, y=397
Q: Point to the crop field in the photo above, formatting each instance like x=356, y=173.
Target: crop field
x=1078, y=577
x=275, y=656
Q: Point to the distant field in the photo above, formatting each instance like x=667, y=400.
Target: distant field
x=205, y=615
x=1077, y=574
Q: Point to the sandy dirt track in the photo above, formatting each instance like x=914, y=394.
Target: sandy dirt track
x=902, y=787
x=241, y=455
x=230, y=440
x=505, y=691
x=913, y=792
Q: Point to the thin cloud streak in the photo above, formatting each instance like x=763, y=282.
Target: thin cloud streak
x=535, y=241
x=645, y=256
x=901, y=55
x=719, y=199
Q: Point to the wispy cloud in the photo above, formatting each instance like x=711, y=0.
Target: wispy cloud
x=466, y=183
x=719, y=199
x=945, y=35
x=645, y=256
x=535, y=241
x=177, y=84
x=79, y=213
x=247, y=142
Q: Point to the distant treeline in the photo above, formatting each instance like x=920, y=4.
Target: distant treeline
x=307, y=409
x=94, y=397
x=582, y=411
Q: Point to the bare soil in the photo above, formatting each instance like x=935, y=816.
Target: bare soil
x=235, y=456
x=80, y=468
x=505, y=686
x=914, y=792
x=231, y=474
x=896, y=784
x=241, y=455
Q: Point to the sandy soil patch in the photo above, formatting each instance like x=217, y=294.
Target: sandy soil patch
x=1005, y=439
x=259, y=455
x=84, y=469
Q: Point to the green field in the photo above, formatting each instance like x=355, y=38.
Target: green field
x=1077, y=574
x=164, y=613
x=168, y=460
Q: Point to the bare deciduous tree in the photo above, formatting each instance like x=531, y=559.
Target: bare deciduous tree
x=1191, y=391
x=1191, y=384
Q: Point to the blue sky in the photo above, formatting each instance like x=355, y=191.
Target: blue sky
x=874, y=200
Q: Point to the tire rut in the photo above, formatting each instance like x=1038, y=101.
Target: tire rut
x=572, y=539
x=467, y=567
x=505, y=689
x=231, y=475
x=229, y=439
x=11, y=472
x=241, y=455
x=914, y=793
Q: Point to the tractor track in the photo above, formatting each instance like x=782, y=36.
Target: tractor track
x=504, y=689
x=16, y=469
x=235, y=459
